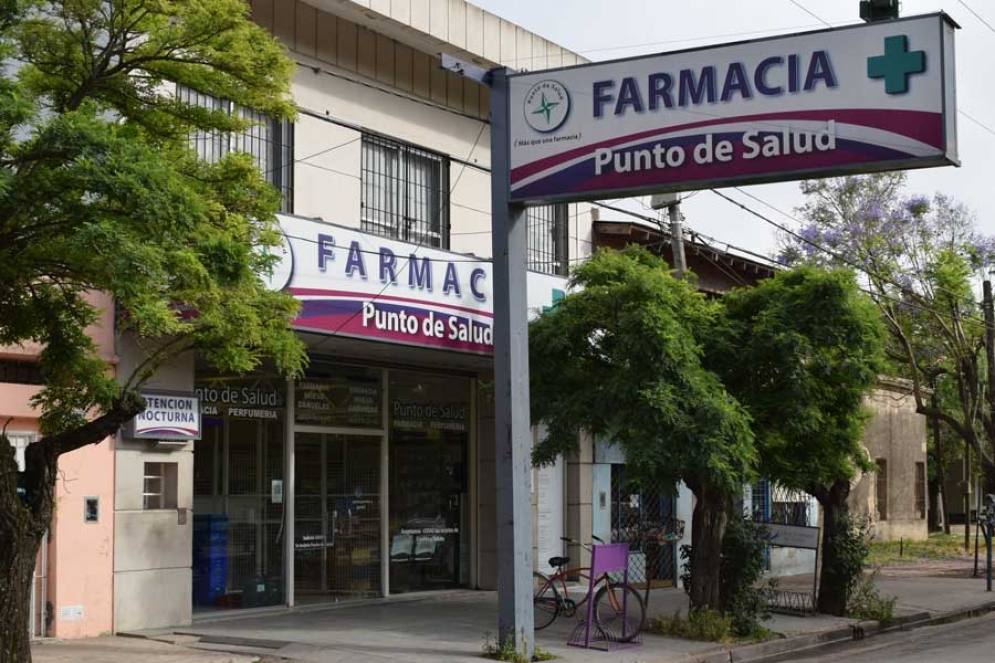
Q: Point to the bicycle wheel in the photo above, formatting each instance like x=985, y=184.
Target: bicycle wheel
x=545, y=601
x=609, y=603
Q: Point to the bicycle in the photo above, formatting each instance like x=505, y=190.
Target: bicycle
x=609, y=599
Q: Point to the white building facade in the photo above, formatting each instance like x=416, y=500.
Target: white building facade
x=373, y=475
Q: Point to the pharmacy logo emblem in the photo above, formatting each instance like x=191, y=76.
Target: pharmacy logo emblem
x=547, y=105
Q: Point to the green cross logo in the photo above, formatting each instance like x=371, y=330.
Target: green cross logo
x=558, y=296
x=546, y=108
x=896, y=65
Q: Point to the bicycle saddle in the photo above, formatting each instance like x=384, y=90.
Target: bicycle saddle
x=557, y=562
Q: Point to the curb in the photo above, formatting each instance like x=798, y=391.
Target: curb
x=775, y=650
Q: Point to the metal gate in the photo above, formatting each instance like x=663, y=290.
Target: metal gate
x=39, y=590
x=777, y=505
x=636, y=510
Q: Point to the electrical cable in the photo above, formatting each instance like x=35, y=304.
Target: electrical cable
x=966, y=6
x=977, y=16
x=811, y=13
x=849, y=263
x=603, y=49
x=413, y=252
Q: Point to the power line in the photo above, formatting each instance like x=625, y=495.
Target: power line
x=421, y=241
x=977, y=122
x=811, y=13
x=967, y=7
x=977, y=15
x=838, y=257
x=308, y=240
x=603, y=49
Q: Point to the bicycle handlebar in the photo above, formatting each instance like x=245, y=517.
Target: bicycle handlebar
x=587, y=546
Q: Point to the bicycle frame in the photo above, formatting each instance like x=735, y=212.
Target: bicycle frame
x=584, y=574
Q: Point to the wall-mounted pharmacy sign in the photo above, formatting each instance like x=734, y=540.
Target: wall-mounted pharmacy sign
x=359, y=285
x=864, y=98
x=167, y=416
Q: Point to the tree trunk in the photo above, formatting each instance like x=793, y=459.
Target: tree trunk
x=17, y=559
x=708, y=526
x=933, y=523
x=23, y=521
x=26, y=514
x=834, y=585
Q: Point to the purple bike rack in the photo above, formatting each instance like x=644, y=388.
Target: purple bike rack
x=611, y=559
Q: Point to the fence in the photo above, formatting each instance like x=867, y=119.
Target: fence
x=638, y=515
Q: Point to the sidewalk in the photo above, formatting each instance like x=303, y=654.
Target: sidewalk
x=452, y=629
x=126, y=650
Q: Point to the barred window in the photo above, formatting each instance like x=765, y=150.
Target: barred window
x=547, y=239
x=21, y=372
x=405, y=192
x=160, y=486
x=269, y=142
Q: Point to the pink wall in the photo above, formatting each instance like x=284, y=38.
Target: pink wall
x=81, y=562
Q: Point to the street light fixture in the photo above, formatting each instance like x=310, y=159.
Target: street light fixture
x=879, y=10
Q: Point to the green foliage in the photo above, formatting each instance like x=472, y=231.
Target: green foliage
x=919, y=256
x=853, y=548
x=801, y=351
x=506, y=652
x=100, y=191
x=744, y=549
x=621, y=357
x=687, y=569
x=867, y=603
x=705, y=625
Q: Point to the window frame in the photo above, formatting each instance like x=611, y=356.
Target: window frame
x=395, y=197
x=553, y=255
x=168, y=478
x=276, y=158
x=921, y=491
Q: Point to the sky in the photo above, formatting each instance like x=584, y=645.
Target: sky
x=608, y=29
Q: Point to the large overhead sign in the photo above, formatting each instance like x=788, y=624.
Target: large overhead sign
x=355, y=284
x=864, y=98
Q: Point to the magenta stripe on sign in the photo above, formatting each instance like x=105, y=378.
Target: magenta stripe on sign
x=919, y=125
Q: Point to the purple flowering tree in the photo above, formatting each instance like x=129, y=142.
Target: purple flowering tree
x=920, y=258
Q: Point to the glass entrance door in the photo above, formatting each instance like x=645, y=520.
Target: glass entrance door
x=427, y=509
x=337, y=519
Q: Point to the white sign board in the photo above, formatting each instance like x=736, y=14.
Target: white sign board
x=862, y=98
x=167, y=416
x=352, y=283
x=793, y=536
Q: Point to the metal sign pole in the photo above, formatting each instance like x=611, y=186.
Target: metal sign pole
x=513, y=438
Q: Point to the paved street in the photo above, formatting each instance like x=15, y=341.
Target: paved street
x=969, y=641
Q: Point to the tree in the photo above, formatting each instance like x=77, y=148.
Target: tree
x=621, y=357
x=917, y=257
x=801, y=351
x=100, y=191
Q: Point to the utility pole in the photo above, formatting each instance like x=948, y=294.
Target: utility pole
x=677, y=239
x=513, y=431
x=672, y=201
x=512, y=426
